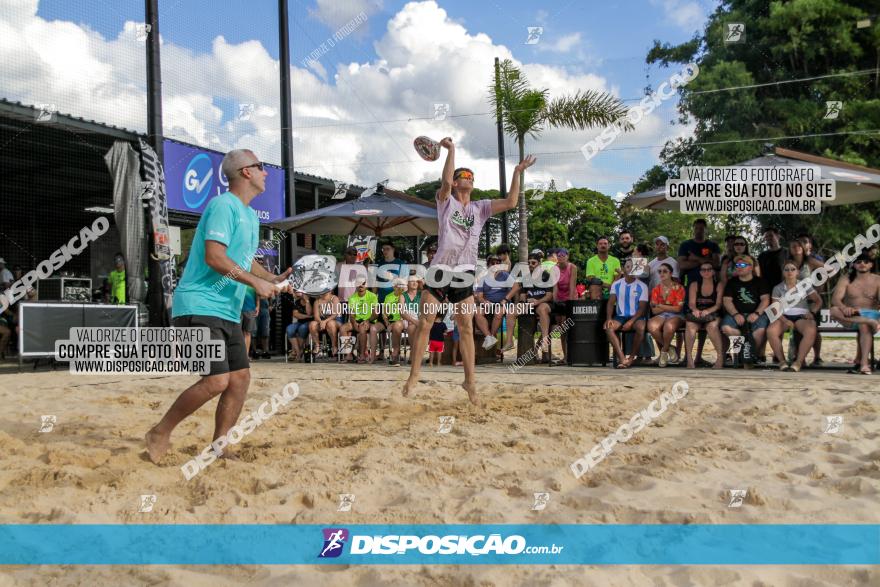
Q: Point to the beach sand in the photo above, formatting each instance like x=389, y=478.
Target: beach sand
x=349, y=431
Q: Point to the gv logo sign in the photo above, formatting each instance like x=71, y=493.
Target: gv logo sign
x=197, y=181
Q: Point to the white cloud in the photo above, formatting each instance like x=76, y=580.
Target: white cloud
x=563, y=44
x=356, y=123
x=685, y=14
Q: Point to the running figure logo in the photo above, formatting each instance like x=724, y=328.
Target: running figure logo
x=147, y=502
x=539, y=188
x=737, y=497
x=535, y=33
x=541, y=500
x=446, y=423
x=340, y=190
x=47, y=423
x=735, y=32
x=832, y=109
x=736, y=345
x=346, y=500
x=334, y=541
x=832, y=425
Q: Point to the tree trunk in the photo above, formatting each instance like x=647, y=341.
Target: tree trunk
x=523, y=223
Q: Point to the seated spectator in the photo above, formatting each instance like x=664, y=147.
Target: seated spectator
x=745, y=299
x=538, y=299
x=550, y=259
x=391, y=321
x=627, y=308
x=298, y=330
x=798, y=253
x=661, y=246
x=490, y=300
x=856, y=304
x=704, y=300
x=799, y=317
x=5, y=275
x=667, y=302
x=564, y=292
x=602, y=270
x=327, y=313
x=363, y=311
x=412, y=300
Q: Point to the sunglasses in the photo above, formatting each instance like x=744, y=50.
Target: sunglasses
x=706, y=269
x=739, y=244
x=258, y=165
x=789, y=268
x=742, y=265
x=465, y=175
x=862, y=261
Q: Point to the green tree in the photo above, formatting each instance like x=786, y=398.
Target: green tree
x=528, y=111
x=573, y=219
x=784, y=40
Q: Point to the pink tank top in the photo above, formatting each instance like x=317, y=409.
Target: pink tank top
x=564, y=282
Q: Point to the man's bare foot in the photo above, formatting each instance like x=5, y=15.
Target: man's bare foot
x=471, y=389
x=407, y=387
x=157, y=445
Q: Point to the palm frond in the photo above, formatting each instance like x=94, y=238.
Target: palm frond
x=587, y=109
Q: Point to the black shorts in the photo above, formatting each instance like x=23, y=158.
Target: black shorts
x=227, y=331
x=560, y=309
x=453, y=292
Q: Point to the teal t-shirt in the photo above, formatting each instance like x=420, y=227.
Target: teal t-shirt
x=202, y=291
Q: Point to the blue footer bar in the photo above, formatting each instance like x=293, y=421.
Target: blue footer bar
x=487, y=544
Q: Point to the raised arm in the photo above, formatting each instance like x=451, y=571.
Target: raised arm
x=448, y=169
x=512, y=199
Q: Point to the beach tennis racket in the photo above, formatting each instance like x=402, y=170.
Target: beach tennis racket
x=427, y=148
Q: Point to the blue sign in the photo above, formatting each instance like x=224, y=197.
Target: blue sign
x=193, y=176
x=431, y=544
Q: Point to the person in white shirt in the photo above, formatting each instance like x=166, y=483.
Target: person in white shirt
x=6, y=278
x=627, y=308
x=661, y=246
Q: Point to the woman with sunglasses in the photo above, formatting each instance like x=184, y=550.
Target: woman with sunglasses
x=799, y=317
x=667, y=301
x=745, y=299
x=806, y=263
x=740, y=246
x=704, y=300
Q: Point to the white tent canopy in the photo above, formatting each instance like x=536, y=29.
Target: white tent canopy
x=854, y=184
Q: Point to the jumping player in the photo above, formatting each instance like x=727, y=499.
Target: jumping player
x=460, y=223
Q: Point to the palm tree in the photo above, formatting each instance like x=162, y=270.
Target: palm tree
x=526, y=111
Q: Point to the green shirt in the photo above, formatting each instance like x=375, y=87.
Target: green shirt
x=117, y=286
x=412, y=305
x=361, y=307
x=392, y=306
x=604, y=270
x=202, y=291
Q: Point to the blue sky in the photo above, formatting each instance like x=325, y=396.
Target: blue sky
x=602, y=42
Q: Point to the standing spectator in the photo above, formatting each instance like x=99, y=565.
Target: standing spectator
x=798, y=317
x=551, y=259
x=298, y=330
x=745, y=299
x=435, y=341
x=117, y=280
x=264, y=320
x=348, y=274
x=627, y=308
x=490, y=299
x=387, y=268
x=432, y=250
x=503, y=252
x=694, y=252
x=602, y=270
x=564, y=291
x=661, y=245
x=625, y=246
x=667, y=302
x=772, y=259
x=704, y=300
x=641, y=265
x=5, y=275
x=740, y=247
x=810, y=246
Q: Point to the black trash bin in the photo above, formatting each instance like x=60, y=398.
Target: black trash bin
x=587, y=343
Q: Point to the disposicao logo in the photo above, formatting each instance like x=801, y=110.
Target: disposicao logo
x=197, y=181
x=334, y=541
